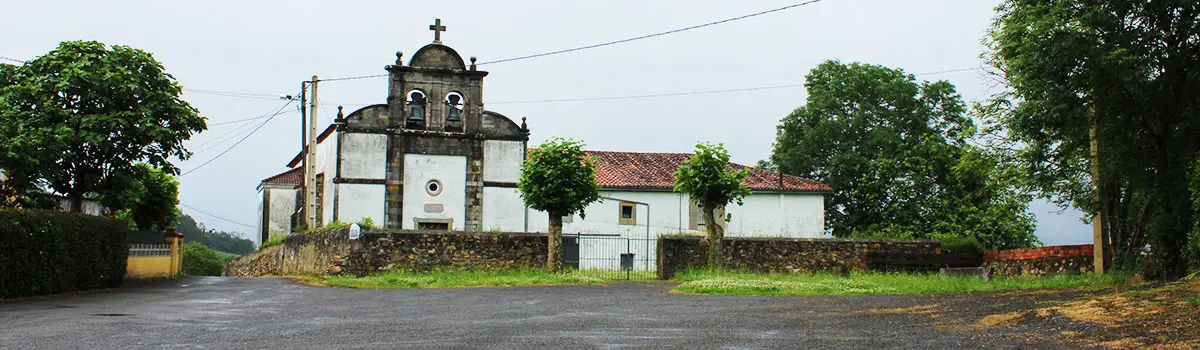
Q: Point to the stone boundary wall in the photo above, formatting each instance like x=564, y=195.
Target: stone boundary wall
x=1042, y=260
x=332, y=251
x=790, y=255
x=379, y=251
x=311, y=253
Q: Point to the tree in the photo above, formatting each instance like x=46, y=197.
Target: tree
x=559, y=179
x=896, y=153
x=1120, y=75
x=83, y=113
x=710, y=183
x=199, y=260
x=145, y=196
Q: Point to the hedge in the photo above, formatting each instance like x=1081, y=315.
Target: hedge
x=44, y=252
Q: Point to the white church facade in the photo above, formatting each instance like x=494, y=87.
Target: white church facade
x=432, y=158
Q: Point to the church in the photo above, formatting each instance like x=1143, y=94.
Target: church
x=433, y=158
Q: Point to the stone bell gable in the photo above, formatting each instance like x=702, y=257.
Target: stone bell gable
x=433, y=138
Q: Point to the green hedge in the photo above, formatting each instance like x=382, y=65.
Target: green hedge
x=43, y=252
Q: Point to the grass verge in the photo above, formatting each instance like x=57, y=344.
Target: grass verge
x=742, y=283
x=461, y=278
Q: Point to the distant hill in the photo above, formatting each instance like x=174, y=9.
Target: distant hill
x=229, y=242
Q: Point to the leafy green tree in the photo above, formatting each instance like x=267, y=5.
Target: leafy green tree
x=896, y=153
x=84, y=112
x=710, y=183
x=145, y=196
x=559, y=179
x=1120, y=75
x=199, y=260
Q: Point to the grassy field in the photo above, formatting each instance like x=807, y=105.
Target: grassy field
x=225, y=256
x=461, y=278
x=740, y=283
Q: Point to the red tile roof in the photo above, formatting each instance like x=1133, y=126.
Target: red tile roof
x=657, y=171
x=294, y=177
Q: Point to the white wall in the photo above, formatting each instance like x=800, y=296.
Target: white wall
x=770, y=214
x=356, y=201
x=327, y=164
x=602, y=216
x=364, y=156
x=451, y=171
x=766, y=214
x=502, y=161
x=503, y=209
x=282, y=205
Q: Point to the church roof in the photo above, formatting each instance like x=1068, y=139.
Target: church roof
x=640, y=170
x=294, y=177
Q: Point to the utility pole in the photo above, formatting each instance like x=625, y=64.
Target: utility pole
x=310, y=166
x=1101, y=253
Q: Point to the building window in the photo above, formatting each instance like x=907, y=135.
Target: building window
x=628, y=214
x=433, y=187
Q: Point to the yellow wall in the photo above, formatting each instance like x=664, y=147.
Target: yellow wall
x=148, y=266
x=157, y=266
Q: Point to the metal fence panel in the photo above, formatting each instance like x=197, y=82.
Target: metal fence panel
x=600, y=256
x=149, y=249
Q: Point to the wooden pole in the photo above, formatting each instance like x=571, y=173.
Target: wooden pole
x=1101, y=254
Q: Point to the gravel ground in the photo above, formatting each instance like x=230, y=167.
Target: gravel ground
x=222, y=312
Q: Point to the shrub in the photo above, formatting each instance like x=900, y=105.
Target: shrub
x=962, y=245
x=199, y=260
x=367, y=224
x=44, y=252
x=274, y=240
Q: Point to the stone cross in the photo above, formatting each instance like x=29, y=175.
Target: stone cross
x=437, y=29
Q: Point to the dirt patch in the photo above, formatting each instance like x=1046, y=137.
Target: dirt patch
x=915, y=310
x=1131, y=317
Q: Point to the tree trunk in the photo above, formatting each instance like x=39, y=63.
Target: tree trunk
x=716, y=234
x=76, y=200
x=554, y=246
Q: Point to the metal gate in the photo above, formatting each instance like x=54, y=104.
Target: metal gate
x=610, y=257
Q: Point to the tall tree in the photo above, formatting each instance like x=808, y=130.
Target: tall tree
x=146, y=196
x=559, y=179
x=710, y=183
x=84, y=112
x=1124, y=76
x=896, y=153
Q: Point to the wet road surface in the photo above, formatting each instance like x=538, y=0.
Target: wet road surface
x=215, y=312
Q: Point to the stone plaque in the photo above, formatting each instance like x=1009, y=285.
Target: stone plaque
x=355, y=231
x=433, y=208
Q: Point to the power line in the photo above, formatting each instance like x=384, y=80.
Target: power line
x=260, y=125
x=355, y=78
x=248, y=119
x=234, y=94
x=216, y=216
x=647, y=36
x=11, y=59
x=673, y=31
x=211, y=143
x=672, y=94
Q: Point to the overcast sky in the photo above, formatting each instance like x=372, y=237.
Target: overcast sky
x=268, y=48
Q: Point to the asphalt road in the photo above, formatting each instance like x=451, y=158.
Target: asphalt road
x=277, y=313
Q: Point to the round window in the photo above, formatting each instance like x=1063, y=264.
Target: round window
x=433, y=187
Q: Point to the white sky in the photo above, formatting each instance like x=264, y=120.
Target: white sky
x=268, y=47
